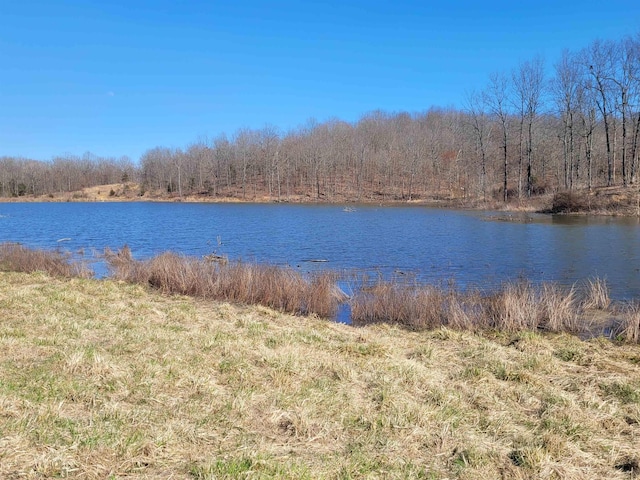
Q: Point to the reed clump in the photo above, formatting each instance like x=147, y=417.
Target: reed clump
x=410, y=306
x=18, y=258
x=560, y=309
x=596, y=294
x=513, y=307
x=280, y=288
x=628, y=329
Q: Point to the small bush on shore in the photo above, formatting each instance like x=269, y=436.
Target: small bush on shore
x=569, y=202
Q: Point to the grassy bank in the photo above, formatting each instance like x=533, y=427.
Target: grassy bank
x=105, y=379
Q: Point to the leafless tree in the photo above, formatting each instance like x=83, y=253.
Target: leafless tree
x=528, y=82
x=497, y=100
x=598, y=58
x=479, y=121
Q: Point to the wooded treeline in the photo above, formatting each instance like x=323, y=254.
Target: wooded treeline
x=522, y=134
x=20, y=176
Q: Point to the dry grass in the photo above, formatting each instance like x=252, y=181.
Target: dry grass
x=18, y=258
x=283, y=289
x=513, y=308
x=104, y=379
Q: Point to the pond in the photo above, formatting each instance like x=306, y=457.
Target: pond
x=481, y=249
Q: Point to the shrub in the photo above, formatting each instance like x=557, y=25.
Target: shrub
x=569, y=202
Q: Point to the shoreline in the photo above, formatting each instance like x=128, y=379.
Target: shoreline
x=585, y=309
x=601, y=201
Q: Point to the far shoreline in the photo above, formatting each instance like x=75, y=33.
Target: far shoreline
x=603, y=201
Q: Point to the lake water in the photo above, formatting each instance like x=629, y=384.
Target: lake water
x=437, y=246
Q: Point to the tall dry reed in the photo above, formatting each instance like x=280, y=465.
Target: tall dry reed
x=18, y=258
x=513, y=307
x=410, y=306
x=629, y=327
x=596, y=294
x=281, y=288
x=559, y=309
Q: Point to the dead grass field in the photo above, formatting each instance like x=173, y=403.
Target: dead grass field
x=105, y=379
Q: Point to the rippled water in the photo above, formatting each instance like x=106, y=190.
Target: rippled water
x=432, y=245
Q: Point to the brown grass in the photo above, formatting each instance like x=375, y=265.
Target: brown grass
x=515, y=307
x=281, y=288
x=560, y=309
x=18, y=258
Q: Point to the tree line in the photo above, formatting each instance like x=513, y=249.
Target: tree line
x=21, y=176
x=522, y=134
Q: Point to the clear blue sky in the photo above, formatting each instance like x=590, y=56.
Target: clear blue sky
x=119, y=77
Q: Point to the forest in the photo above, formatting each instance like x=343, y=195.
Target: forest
x=528, y=131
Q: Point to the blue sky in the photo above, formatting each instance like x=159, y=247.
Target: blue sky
x=120, y=77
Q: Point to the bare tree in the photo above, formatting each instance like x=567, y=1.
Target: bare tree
x=497, y=99
x=528, y=82
x=598, y=58
x=565, y=87
x=479, y=121
x=626, y=75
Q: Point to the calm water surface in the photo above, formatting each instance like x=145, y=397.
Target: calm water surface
x=470, y=248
